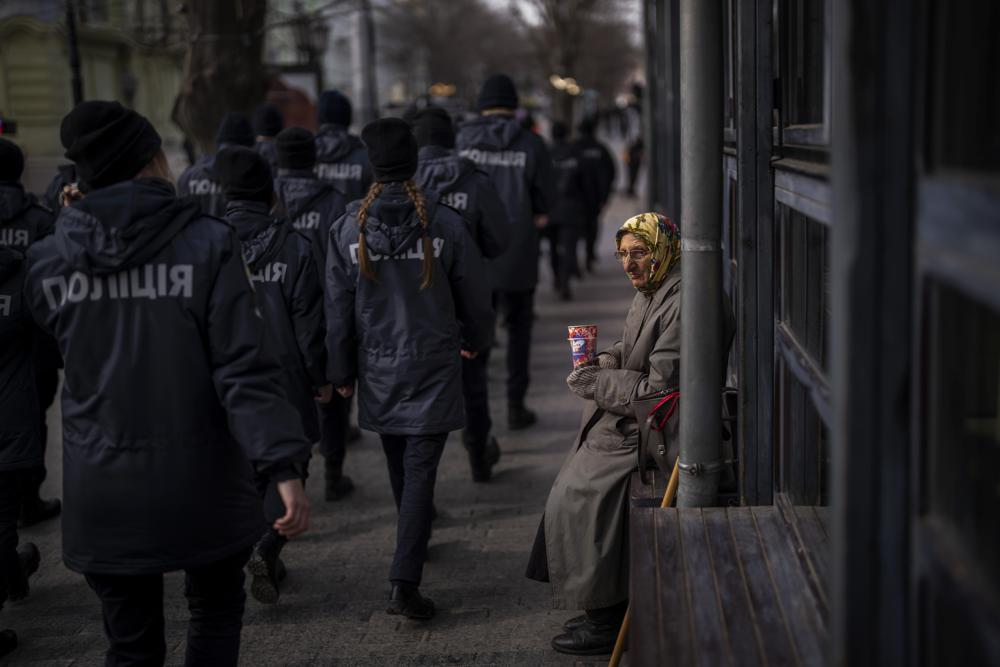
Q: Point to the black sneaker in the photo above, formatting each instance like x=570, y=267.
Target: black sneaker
x=39, y=510
x=8, y=642
x=481, y=461
x=267, y=571
x=30, y=558
x=519, y=417
x=407, y=601
x=338, y=486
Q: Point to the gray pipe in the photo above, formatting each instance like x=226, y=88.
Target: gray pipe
x=701, y=263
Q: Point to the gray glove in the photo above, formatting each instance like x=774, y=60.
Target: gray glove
x=605, y=360
x=583, y=381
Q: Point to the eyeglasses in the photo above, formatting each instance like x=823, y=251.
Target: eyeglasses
x=633, y=255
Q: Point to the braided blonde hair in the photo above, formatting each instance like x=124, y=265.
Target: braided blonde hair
x=363, y=263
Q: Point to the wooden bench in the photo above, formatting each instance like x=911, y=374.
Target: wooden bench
x=646, y=495
x=728, y=586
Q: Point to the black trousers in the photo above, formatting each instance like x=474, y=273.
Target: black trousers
x=132, y=607
x=413, y=462
x=518, y=310
x=593, y=228
x=563, y=239
x=46, y=384
x=11, y=575
x=475, y=388
x=333, y=422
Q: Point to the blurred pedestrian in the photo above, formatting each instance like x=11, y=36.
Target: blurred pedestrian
x=599, y=172
x=469, y=191
x=342, y=158
x=633, y=159
x=568, y=213
x=406, y=287
x=267, y=123
x=22, y=222
x=312, y=206
x=520, y=167
x=199, y=181
x=171, y=400
x=282, y=267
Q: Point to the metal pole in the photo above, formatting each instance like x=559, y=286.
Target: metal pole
x=701, y=264
x=364, y=62
x=74, y=52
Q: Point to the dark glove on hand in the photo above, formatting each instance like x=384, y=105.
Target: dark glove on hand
x=583, y=381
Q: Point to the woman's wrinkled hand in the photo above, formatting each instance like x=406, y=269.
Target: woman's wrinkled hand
x=583, y=381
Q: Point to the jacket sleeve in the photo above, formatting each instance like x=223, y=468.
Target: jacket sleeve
x=471, y=293
x=307, y=318
x=341, y=336
x=494, y=227
x=543, y=180
x=246, y=375
x=615, y=389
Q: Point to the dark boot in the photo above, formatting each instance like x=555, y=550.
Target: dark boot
x=482, y=459
x=338, y=484
x=353, y=434
x=574, y=623
x=8, y=642
x=30, y=558
x=406, y=600
x=595, y=635
x=38, y=510
x=266, y=568
x=519, y=417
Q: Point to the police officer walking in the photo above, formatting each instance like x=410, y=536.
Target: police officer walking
x=520, y=167
x=343, y=159
x=467, y=189
x=282, y=266
x=171, y=398
x=311, y=206
x=199, y=181
x=406, y=287
x=267, y=123
x=569, y=211
x=599, y=172
x=22, y=222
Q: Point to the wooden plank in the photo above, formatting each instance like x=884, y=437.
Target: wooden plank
x=674, y=610
x=822, y=513
x=816, y=548
x=791, y=586
x=647, y=495
x=644, y=635
x=744, y=638
x=768, y=613
x=710, y=636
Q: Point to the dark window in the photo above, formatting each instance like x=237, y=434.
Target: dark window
x=803, y=280
x=965, y=95
x=800, y=61
x=803, y=442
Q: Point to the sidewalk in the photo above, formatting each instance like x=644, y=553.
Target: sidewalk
x=332, y=605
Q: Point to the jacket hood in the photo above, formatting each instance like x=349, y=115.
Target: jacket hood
x=13, y=200
x=260, y=234
x=392, y=225
x=299, y=192
x=495, y=132
x=334, y=143
x=10, y=262
x=122, y=225
x=440, y=169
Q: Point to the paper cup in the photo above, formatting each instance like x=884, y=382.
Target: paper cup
x=582, y=343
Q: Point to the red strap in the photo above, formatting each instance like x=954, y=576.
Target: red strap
x=673, y=397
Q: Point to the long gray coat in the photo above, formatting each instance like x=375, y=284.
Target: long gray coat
x=586, y=517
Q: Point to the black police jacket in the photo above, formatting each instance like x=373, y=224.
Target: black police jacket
x=400, y=342
x=170, y=393
x=311, y=206
x=469, y=191
x=569, y=203
x=342, y=160
x=520, y=167
x=199, y=183
x=20, y=433
x=22, y=219
x=269, y=151
x=598, y=171
x=286, y=281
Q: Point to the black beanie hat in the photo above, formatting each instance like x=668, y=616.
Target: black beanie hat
x=11, y=161
x=498, y=91
x=433, y=127
x=392, y=149
x=243, y=174
x=587, y=126
x=296, y=148
x=560, y=131
x=108, y=143
x=267, y=120
x=234, y=129
x=335, y=108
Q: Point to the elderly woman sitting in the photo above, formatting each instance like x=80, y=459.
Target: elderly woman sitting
x=582, y=544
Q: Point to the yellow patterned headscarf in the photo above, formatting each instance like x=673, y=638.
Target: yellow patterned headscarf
x=663, y=240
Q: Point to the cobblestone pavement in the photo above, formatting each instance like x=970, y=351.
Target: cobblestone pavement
x=331, y=610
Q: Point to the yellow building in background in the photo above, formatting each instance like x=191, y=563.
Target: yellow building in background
x=132, y=52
